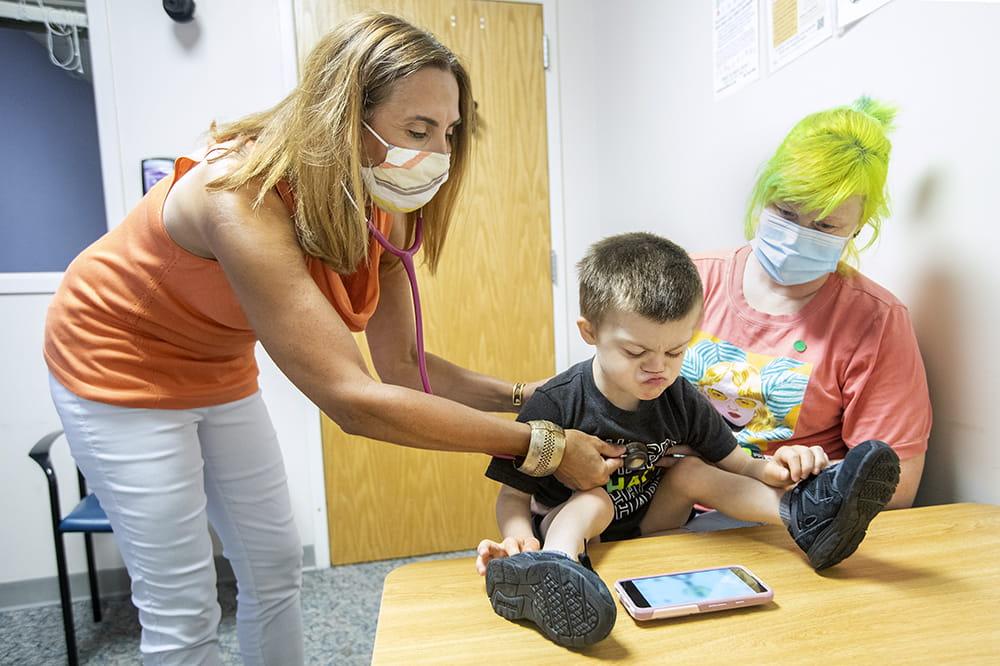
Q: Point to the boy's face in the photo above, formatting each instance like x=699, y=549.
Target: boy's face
x=637, y=358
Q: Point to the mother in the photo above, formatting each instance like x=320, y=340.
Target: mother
x=836, y=353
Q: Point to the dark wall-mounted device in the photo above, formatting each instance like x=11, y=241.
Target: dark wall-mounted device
x=181, y=11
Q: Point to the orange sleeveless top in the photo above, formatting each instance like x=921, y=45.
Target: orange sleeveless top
x=140, y=322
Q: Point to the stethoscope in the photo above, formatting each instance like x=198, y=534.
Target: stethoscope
x=406, y=256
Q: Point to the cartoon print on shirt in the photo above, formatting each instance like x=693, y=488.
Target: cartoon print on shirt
x=760, y=397
x=733, y=388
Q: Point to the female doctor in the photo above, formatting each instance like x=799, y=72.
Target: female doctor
x=276, y=231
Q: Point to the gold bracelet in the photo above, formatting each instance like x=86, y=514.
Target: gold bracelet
x=545, y=450
x=517, y=394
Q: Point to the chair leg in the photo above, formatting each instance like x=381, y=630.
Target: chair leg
x=67, y=601
x=95, y=592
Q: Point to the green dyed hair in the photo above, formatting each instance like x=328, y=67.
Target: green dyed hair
x=826, y=158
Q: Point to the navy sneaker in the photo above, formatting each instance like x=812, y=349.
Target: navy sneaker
x=828, y=513
x=570, y=603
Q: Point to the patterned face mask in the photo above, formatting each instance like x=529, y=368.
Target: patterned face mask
x=407, y=179
x=792, y=254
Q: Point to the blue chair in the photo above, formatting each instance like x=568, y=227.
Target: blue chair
x=87, y=517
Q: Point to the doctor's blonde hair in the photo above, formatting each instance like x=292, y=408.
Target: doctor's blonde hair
x=312, y=138
x=826, y=158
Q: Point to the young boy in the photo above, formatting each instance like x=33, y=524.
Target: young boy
x=640, y=303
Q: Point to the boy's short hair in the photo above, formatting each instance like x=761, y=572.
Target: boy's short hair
x=638, y=272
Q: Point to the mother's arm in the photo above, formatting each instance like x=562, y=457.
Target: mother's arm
x=910, y=471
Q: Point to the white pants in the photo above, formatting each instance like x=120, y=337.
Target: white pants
x=162, y=477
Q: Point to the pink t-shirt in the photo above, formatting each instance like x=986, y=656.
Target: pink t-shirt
x=844, y=369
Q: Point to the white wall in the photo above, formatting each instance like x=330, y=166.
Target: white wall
x=646, y=146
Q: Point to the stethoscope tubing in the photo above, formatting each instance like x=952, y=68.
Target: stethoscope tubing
x=406, y=256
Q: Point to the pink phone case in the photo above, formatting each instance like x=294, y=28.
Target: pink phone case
x=706, y=605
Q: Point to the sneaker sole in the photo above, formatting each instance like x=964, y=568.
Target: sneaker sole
x=879, y=469
x=570, y=610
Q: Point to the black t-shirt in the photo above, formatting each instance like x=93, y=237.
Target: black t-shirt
x=679, y=416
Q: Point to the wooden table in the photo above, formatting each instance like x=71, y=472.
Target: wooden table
x=924, y=587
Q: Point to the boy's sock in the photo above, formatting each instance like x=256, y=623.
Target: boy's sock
x=570, y=603
x=828, y=513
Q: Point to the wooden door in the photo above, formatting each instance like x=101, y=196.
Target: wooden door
x=489, y=308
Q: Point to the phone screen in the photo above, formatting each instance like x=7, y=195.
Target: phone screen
x=692, y=587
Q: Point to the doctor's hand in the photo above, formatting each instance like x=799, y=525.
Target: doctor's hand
x=588, y=461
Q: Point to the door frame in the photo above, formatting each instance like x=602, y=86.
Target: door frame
x=562, y=314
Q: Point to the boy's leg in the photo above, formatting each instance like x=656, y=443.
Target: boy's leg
x=568, y=527
x=826, y=514
x=250, y=508
x=568, y=601
x=692, y=481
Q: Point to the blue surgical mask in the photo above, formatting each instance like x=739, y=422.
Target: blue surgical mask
x=792, y=254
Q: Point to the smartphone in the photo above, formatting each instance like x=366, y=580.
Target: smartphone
x=690, y=592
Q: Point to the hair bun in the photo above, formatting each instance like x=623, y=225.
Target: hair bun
x=881, y=111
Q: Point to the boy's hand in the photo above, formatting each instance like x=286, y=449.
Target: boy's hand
x=491, y=550
x=791, y=464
